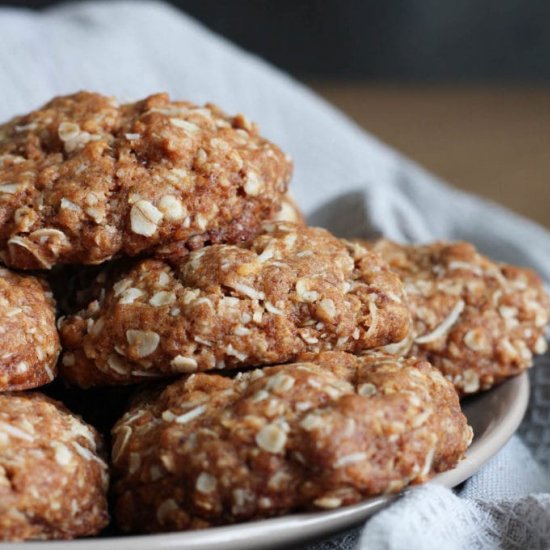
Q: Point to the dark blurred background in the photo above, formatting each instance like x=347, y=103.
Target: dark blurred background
x=394, y=39
x=462, y=86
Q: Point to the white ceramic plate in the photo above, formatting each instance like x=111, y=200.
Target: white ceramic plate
x=494, y=416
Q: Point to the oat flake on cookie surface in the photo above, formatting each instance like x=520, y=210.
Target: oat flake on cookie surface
x=29, y=343
x=291, y=290
x=84, y=178
x=476, y=320
x=53, y=479
x=323, y=433
x=290, y=211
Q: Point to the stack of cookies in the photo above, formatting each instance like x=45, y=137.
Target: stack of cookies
x=269, y=367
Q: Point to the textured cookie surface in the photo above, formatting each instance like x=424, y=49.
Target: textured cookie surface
x=291, y=290
x=53, y=483
x=476, y=320
x=29, y=343
x=84, y=178
x=74, y=287
x=290, y=211
x=320, y=434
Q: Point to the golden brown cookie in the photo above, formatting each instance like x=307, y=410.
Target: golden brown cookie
x=75, y=286
x=29, y=342
x=476, y=320
x=320, y=434
x=290, y=211
x=53, y=481
x=291, y=290
x=84, y=178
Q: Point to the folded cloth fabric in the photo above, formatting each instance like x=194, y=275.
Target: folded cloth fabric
x=345, y=180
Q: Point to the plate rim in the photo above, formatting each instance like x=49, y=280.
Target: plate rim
x=244, y=534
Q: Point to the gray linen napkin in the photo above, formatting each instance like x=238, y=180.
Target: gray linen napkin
x=345, y=180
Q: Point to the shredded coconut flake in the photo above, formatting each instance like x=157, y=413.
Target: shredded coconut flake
x=15, y=432
x=350, y=459
x=230, y=350
x=373, y=310
x=272, y=309
x=444, y=327
x=248, y=291
x=191, y=415
x=456, y=264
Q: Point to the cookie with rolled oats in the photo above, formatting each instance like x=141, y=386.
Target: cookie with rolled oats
x=53, y=480
x=320, y=434
x=476, y=320
x=291, y=290
x=75, y=286
x=29, y=342
x=84, y=178
x=290, y=211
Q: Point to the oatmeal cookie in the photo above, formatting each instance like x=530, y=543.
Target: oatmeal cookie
x=476, y=320
x=75, y=286
x=85, y=178
x=29, y=342
x=291, y=290
x=53, y=481
x=320, y=434
x=290, y=211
